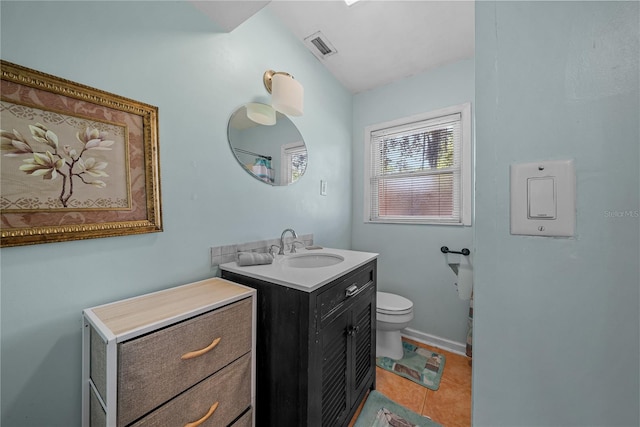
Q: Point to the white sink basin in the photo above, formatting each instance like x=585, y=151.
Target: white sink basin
x=313, y=260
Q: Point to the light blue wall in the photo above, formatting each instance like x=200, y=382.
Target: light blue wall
x=410, y=262
x=556, y=320
x=169, y=55
x=556, y=323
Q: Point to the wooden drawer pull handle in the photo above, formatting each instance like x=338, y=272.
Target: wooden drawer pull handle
x=197, y=353
x=206, y=417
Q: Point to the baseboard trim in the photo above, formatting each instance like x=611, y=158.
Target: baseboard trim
x=443, y=343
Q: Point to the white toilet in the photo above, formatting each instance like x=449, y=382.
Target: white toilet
x=393, y=313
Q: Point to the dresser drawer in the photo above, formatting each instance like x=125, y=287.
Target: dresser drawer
x=230, y=388
x=152, y=369
x=332, y=298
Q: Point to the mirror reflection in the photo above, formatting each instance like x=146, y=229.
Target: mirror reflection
x=275, y=154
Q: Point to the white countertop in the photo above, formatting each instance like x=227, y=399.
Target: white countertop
x=304, y=279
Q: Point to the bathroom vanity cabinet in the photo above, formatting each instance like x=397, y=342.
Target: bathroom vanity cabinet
x=315, y=350
x=179, y=356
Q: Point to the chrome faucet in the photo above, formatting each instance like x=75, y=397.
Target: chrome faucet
x=293, y=233
x=293, y=246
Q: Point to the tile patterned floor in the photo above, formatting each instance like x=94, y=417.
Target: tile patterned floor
x=449, y=406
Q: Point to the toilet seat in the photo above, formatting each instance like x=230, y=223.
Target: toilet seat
x=393, y=304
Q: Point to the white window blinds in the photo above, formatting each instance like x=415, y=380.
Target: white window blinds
x=415, y=171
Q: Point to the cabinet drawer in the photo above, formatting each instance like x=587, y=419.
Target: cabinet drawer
x=230, y=388
x=151, y=369
x=332, y=298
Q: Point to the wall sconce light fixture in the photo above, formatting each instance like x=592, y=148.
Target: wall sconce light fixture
x=287, y=94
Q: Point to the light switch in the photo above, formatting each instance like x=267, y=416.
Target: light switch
x=542, y=198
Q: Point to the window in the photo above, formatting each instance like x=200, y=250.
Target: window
x=418, y=169
x=293, y=157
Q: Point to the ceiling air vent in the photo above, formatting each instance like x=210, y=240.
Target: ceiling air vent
x=319, y=45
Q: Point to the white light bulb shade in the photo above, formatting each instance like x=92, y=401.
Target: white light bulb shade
x=287, y=95
x=261, y=113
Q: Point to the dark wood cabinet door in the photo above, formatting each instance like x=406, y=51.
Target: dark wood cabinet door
x=333, y=340
x=348, y=357
x=363, y=345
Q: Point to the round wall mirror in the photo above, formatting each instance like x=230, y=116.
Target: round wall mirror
x=274, y=154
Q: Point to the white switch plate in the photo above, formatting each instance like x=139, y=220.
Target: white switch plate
x=543, y=198
x=323, y=187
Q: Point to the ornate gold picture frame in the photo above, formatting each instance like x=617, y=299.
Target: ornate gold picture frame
x=76, y=162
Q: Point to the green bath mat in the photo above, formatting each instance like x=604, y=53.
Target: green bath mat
x=380, y=411
x=418, y=364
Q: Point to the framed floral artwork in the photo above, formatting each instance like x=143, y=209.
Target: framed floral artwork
x=76, y=162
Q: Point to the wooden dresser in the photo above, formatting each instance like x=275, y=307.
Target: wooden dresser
x=182, y=356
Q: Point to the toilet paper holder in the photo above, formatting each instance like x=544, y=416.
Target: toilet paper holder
x=464, y=251
x=455, y=262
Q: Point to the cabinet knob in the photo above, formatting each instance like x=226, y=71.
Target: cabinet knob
x=353, y=330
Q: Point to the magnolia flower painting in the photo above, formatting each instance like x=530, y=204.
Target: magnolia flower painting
x=70, y=165
x=76, y=162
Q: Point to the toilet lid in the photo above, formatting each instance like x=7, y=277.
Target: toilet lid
x=393, y=304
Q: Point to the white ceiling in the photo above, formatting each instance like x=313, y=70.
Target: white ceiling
x=377, y=41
